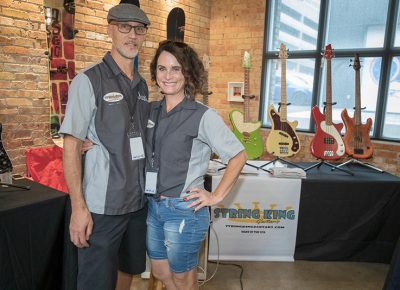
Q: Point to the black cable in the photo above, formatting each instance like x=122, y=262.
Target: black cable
x=232, y=264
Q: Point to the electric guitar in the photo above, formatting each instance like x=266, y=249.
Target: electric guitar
x=327, y=143
x=356, y=139
x=5, y=162
x=247, y=132
x=282, y=141
x=206, y=93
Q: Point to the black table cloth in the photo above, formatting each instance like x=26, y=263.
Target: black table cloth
x=31, y=237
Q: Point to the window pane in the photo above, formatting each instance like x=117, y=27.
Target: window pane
x=357, y=23
x=299, y=84
x=391, y=127
x=343, y=87
x=397, y=35
x=294, y=23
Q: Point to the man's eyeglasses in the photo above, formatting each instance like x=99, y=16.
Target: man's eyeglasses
x=126, y=28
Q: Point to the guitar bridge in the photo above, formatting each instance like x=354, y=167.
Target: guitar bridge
x=358, y=151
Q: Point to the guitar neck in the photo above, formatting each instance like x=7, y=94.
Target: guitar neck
x=283, y=111
x=328, y=106
x=246, y=102
x=357, y=109
x=205, y=89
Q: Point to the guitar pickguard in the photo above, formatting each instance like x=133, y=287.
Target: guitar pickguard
x=282, y=140
x=334, y=137
x=238, y=120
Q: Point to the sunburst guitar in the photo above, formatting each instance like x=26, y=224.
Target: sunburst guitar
x=246, y=131
x=282, y=141
x=327, y=143
x=356, y=139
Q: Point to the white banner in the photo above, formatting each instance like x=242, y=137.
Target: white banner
x=257, y=221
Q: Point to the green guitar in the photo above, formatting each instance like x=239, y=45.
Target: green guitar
x=247, y=132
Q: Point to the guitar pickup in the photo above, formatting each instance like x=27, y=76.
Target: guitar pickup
x=283, y=134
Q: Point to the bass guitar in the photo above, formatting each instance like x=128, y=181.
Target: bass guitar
x=246, y=131
x=282, y=141
x=327, y=143
x=356, y=139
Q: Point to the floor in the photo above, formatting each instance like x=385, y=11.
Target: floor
x=299, y=275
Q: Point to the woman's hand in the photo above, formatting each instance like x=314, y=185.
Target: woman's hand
x=201, y=198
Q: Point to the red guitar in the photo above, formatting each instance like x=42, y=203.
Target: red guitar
x=357, y=140
x=327, y=143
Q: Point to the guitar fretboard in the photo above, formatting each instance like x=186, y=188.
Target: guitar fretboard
x=357, y=109
x=328, y=106
x=246, y=95
x=283, y=91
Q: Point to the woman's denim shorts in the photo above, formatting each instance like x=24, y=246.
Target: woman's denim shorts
x=175, y=232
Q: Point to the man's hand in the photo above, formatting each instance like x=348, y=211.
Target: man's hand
x=86, y=145
x=80, y=227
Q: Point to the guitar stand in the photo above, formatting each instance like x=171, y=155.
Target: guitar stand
x=222, y=168
x=356, y=161
x=333, y=167
x=279, y=159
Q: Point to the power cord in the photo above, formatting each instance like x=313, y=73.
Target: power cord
x=217, y=262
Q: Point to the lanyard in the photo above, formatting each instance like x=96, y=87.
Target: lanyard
x=153, y=140
x=131, y=110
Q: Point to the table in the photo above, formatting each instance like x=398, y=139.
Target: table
x=344, y=217
x=31, y=237
x=347, y=218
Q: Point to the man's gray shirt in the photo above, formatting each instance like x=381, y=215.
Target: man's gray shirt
x=102, y=101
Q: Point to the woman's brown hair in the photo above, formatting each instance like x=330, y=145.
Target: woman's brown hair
x=192, y=66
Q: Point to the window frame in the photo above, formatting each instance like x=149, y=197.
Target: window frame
x=387, y=53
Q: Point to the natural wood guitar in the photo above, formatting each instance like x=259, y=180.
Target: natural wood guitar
x=282, y=141
x=206, y=93
x=327, y=143
x=356, y=139
x=246, y=131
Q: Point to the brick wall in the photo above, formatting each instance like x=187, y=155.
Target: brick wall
x=223, y=28
x=24, y=78
x=240, y=28
x=24, y=94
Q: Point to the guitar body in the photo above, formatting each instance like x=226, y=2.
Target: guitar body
x=248, y=134
x=356, y=139
x=282, y=141
x=327, y=143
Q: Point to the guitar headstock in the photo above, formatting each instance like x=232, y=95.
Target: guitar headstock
x=356, y=63
x=283, y=51
x=328, y=52
x=206, y=62
x=246, y=63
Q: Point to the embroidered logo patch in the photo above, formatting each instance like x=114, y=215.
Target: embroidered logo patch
x=150, y=124
x=143, y=98
x=113, y=97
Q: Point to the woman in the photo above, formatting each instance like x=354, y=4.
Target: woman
x=180, y=136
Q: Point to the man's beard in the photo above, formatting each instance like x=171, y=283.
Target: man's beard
x=127, y=55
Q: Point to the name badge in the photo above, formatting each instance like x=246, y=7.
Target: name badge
x=151, y=182
x=136, y=145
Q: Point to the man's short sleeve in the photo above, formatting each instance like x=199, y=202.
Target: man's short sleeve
x=80, y=107
x=218, y=136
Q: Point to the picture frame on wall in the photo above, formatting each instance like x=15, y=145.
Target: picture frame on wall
x=235, y=91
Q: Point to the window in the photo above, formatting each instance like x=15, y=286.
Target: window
x=368, y=27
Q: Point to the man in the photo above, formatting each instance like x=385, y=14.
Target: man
x=107, y=103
